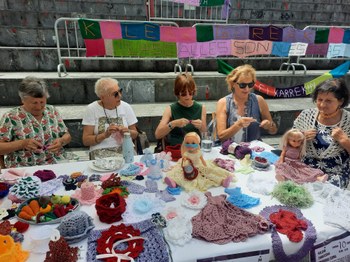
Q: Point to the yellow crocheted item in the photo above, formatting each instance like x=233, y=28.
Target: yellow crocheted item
x=11, y=251
x=208, y=176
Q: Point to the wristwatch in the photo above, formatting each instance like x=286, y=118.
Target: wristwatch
x=170, y=126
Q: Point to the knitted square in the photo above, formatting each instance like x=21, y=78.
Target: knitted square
x=154, y=246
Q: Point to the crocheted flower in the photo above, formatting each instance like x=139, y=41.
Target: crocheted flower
x=178, y=231
x=194, y=200
x=141, y=207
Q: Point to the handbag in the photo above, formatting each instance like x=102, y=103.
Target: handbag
x=190, y=171
x=141, y=141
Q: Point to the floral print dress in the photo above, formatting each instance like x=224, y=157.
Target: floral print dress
x=18, y=124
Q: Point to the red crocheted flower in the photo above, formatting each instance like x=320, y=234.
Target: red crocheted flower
x=105, y=244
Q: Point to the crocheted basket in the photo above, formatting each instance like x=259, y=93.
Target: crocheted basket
x=73, y=205
x=106, y=212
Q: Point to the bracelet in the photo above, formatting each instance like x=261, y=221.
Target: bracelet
x=170, y=126
x=96, y=139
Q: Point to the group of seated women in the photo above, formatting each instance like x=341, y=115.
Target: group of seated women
x=35, y=134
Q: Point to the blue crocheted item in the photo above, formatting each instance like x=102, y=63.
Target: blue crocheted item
x=151, y=186
x=165, y=196
x=131, y=170
x=94, y=177
x=133, y=188
x=271, y=157
x=241, y=200
x=154, y=248
x=174, y=190
x=142, y=206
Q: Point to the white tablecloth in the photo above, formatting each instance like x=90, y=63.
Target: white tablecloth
x=198, y=249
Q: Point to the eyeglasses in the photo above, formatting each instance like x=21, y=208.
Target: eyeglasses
x=117, y=93
x=244, y=85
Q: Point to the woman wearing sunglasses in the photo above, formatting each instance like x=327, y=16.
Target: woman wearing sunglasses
x=106, y=120
x=241, y=114
x=184, y=116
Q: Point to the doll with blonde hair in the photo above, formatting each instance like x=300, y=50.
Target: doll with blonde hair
x=192, y=172
x=289, y=166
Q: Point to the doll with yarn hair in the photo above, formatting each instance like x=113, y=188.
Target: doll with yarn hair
x=289, y=166
x=192, y=172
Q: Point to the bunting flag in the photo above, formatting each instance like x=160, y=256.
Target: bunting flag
x=301, y=90
x=204, y=41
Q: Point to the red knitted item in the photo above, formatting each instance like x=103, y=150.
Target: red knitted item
x=61, y=251
x=21, y=227
x=110, y=208
x=112, y=181
x=175, y=151
x=116, y=233
x=288, y=224
x=5, y=228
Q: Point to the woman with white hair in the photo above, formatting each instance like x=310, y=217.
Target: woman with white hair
x=106, y=120
x=33, y=133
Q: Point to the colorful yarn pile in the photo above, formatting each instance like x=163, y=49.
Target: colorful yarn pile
x=110, y=208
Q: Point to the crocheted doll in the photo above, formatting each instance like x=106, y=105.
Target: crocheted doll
x=192, y=172
x=289, y=165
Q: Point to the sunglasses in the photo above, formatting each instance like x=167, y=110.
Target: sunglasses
x=117, y=93
x=244, y=85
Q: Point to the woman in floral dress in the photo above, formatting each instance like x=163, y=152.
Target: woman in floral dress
x=33, y=133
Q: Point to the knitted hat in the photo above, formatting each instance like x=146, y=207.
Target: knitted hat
x=45, y=175
x=175, y=151
x=87, y=194
x=76, y=226
x=11, y=251
x=11, y=175
x=110, y=208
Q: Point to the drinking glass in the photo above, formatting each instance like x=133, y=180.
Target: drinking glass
x=206, y=142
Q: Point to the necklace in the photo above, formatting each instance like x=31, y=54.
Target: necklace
x=327, y=116
x=107, y=118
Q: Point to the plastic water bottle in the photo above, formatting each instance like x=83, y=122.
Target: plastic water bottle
x=128, y=148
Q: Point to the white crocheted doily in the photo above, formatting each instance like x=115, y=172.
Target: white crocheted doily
x=194, y=200
x=141, y=207
x=178, y=231
x=261, y=184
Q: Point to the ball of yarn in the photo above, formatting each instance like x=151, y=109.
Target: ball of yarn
x=241, y=151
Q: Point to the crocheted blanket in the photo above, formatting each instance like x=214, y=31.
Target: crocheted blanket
x=307, y=119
